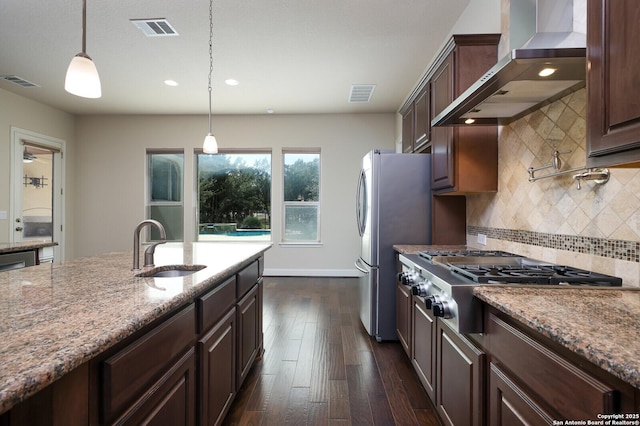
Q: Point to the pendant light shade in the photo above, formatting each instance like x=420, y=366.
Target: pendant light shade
x=82, y=76
x=210, y=145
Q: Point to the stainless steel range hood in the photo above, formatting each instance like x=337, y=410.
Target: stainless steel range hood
x=513, y=87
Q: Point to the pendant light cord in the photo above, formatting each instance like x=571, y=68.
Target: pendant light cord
x=84, y=27
x=210, y=56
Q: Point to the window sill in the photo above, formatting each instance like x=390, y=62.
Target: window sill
x=305, y=244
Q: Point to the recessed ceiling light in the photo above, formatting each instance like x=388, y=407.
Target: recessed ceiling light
x=269, y=111
x=171, y=83
x=546, y=72
x=469, y=121
x=232, y=82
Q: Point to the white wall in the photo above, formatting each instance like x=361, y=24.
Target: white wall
x=23, y=113
x=111, y=173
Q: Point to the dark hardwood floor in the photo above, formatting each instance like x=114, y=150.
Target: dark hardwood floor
x=320, y=367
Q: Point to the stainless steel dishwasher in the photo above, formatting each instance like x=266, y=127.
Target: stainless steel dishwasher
x=17, y=260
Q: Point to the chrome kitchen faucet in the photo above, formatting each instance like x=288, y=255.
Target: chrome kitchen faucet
x=149, y=251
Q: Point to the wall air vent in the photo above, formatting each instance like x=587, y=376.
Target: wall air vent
x=361, y=92
x=18, y=80
x=154, y=27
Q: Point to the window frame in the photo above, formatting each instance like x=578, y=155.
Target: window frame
x=196, y=173
x=149, y=203
x=318, y=204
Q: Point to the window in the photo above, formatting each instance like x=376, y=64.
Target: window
x=165, y=201
x=301, y=196
x=234, y=196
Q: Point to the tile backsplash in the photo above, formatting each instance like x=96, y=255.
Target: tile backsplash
x=596, y=227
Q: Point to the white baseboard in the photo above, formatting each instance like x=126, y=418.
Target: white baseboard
x=274, y=272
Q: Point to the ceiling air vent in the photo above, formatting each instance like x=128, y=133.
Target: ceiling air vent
x=18, y=80
x=361, y=92
x=155, y=27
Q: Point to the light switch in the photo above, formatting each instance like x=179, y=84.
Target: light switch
x=3, y=215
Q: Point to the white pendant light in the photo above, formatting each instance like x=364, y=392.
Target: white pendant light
x=82, y=76
x=210, y=145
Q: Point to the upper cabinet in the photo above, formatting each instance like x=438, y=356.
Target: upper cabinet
x=416, y=117
x=465, y=159
x=613, y=61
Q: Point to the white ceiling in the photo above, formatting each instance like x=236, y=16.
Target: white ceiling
x=293, y=56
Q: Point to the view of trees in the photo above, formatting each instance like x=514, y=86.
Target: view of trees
x=235, y=189
x=302, y=180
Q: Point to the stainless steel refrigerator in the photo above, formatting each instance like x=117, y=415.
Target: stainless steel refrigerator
x=393, y=206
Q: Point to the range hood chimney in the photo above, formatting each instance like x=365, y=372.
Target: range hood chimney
x=554, y=37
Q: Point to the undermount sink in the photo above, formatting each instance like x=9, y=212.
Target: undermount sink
x=171, y=271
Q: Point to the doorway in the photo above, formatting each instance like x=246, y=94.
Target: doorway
x=37, y=208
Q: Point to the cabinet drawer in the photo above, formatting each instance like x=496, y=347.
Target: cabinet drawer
x=570, y=391
x=213, y=305
x=248, y=277
x=131, y=371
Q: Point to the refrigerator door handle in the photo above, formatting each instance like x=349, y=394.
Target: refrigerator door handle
x=359, y=266
x=360, y=218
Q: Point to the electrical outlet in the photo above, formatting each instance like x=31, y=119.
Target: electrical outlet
x=482, y=239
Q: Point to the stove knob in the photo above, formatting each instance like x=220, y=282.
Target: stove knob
x=442, y=310
x=429, y=301
x=421, y=289
x=408, y=278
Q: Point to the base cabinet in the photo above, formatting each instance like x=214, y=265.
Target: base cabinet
x=509, y=405
x=248, y=333
x=459, y=378
x=403, y=313
x=423, y=343
x=217, y=353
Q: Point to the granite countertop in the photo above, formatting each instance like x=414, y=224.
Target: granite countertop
x=414, y=249
x=601, y=325
x=24, y=246
x=55, y=317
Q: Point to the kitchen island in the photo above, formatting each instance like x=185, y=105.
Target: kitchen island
x=57, y=317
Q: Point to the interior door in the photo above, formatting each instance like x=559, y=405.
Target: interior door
x=36, y=189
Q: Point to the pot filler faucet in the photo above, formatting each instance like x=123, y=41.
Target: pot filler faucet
x=149, y=251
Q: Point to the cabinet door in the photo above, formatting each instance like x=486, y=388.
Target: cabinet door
x=613, y=56
x=423, y=344
x=170, y=401
x=408, y=129
x=442, y=95
x=217, y=355
x=403, y=316
x=248, y=332
x=511, y=406
x=422, y=119
x=460, y=379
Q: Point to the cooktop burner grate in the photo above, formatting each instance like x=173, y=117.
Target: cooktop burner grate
x=534, y=274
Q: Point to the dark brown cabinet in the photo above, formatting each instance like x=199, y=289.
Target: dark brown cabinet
x=464, y=159
x=423, y=344
x=509, y=405
x=130, y=383
x=460, y=376
x=408, y=130
x=217, y=353
x=416, y=122
x=248, y=332
x=403, y=316
x=613, y=60
x=532, y=381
